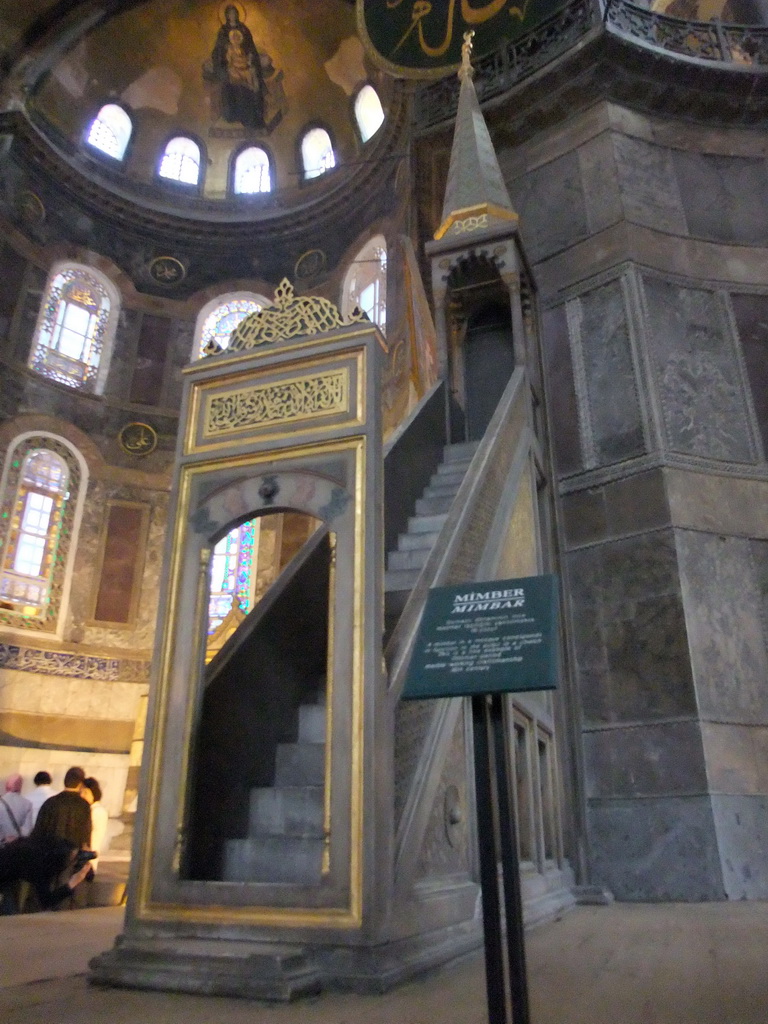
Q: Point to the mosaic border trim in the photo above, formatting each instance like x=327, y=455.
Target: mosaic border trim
x=73, y=666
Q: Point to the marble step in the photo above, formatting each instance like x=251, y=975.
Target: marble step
x=434, y=506
x=450, y=472
x=426, y=524
x=401, y=579
x=312, y=720
x=458, y=452
x=441, y=490
x=267, y=858
x=286, y=811
x=300, y=764
x=413, y=559
x=416, y=541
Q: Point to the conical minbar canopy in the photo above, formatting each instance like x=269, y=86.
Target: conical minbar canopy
x=475, y=196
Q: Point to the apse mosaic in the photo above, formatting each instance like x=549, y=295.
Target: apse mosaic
x=266, y=78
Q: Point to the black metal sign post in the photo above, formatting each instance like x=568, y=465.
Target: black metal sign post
x=506, y=976
x=482, y=640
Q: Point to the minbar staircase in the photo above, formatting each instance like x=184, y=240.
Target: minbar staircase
x=413, y=547
x=285, y=833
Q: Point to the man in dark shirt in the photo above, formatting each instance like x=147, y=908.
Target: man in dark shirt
x=66, y=815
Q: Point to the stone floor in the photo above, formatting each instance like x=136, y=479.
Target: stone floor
x=620, y=964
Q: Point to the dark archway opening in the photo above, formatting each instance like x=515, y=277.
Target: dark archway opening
x=489, y=361
x=258, y=688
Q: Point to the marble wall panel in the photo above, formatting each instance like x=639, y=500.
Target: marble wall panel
x=655, y=849
x=723, y=611
x=697, y=377
x=718, y=194
x=640, y=761
x=614, y=409
x=629, y=631
x=110, y=770
x=179, y=355
x=630, y=505
x=599, y=175
x=648, y=185
x=718, y=504
x=550, y=201
x=751, y=314
x=123, y=354
x=141, y=635
x=737, y=758
x=29, y=307
x=35, y=693
x=742, y=833
x=561, y=391
x=12, y=270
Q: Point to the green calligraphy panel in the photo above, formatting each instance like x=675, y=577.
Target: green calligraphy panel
x=423, y=38
x=494, y=637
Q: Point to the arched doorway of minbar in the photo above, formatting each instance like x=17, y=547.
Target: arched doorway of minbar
x=256, y=805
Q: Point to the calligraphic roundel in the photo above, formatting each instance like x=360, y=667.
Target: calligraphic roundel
x=423, y=38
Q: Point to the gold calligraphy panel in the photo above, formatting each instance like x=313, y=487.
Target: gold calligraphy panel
x=284, y=401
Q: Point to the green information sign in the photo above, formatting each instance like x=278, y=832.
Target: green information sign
x=423, y=38
x=497, y=637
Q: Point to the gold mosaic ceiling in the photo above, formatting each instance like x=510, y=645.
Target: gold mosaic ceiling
x=157, y=59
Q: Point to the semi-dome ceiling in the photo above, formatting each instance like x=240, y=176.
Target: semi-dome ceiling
x=162, y=60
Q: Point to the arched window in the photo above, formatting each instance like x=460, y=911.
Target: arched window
x=317, y=154
x=220, y=317
x=365, y=283
x=368, y=112
x=42, y=481
x=252, y=172
x=181, y=161
x=76, y=323
x=232, y=579
x=110, y=131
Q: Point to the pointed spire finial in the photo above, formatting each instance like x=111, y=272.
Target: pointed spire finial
x=476, y=196
x=466, y=70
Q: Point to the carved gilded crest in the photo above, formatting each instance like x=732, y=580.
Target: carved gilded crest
x=289, y=316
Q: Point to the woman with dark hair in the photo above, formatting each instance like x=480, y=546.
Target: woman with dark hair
x=91, y=793
x=42, y=862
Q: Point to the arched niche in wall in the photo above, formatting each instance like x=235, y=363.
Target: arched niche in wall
x=259, y=766
x=110, y=131
x=219, y=317
x=43, y=489
x=259, y=802
x=76, y=325
x=365, y=282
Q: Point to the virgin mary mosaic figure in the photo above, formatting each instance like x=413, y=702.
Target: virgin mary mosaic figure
x=236, y=65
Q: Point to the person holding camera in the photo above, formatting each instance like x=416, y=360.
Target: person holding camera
x=42, y=863
x=66, y=815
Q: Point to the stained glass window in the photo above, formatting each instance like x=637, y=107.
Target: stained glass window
x=317, y=154
x=365, y=284
x=110, y=131
x=221, y=321
x=368, y=112
x=181, y=161
x=232, y=566
x=252, y=172
x=71, y=332
x=36, y=520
